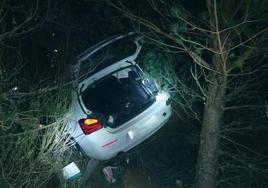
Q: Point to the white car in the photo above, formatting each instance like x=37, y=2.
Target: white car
x=116, y=106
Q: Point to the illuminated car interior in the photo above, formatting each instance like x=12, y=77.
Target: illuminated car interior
x=118, y=97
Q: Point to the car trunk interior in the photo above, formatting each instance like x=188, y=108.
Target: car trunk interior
x=117, y=99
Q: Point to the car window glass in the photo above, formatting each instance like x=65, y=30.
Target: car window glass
x=108, y=55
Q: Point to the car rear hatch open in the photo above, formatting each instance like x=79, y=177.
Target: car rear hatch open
x=110, y=51
x=118, y=97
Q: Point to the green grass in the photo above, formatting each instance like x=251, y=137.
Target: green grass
x=32, y=152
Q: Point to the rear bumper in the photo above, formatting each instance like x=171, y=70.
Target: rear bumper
x=106, y=143
x=152, y=131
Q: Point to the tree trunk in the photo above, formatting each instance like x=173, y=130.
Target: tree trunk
x=206, y=169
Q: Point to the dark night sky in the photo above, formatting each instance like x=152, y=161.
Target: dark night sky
x=70, y=27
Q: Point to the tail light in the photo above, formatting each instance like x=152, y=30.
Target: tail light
x=89, y=126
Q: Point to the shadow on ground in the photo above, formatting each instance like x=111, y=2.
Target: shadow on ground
x=164, y=160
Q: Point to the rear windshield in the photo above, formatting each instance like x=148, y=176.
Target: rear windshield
x=118, y=97
x=108, y=55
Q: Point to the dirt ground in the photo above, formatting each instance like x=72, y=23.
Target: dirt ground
x=164, y=159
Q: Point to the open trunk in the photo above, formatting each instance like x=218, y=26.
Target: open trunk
x=118, y=97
